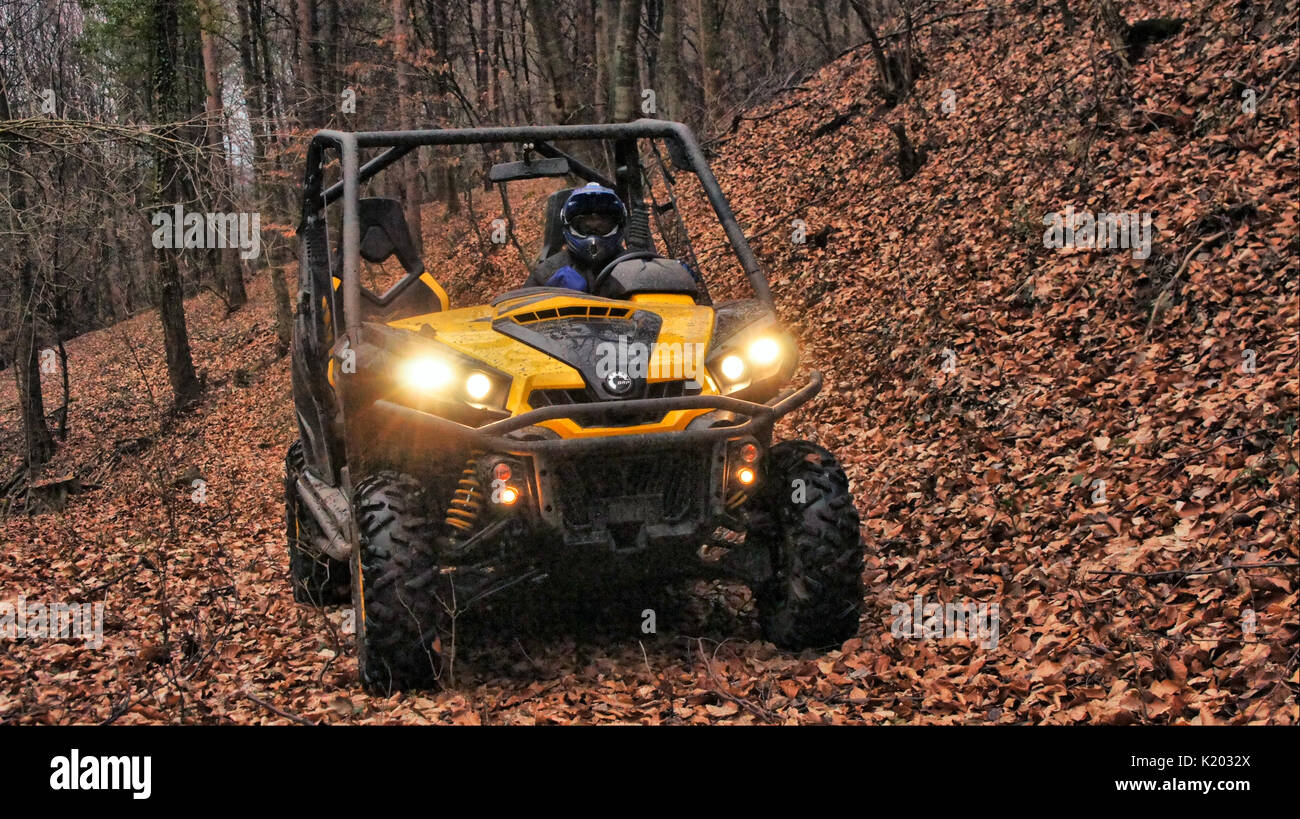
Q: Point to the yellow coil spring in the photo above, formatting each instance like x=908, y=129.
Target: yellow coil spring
x=467, y=500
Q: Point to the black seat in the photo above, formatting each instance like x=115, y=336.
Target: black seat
x=552, y=235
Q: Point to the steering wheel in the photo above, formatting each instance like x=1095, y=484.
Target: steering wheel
x=625, y=257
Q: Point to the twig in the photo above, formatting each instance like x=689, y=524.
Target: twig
x=286, y=714
x=1137, y=673
x=214, y=292
x=1177, y=274
x=1277, y=80
x=720, y=689
x=1184, y=459
x=1276, y=564
x=646, y=658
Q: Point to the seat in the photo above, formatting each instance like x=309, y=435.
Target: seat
x=384, y=235
x=412, y=296
x=552, y=233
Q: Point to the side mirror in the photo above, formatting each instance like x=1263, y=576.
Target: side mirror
x=384, y=233
x=512, y=171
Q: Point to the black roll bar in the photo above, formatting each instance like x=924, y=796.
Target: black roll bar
x=399, y=143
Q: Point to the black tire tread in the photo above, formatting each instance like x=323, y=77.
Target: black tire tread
x=398, y=629
x=814, y=598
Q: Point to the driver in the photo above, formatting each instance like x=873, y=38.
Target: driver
x=592, y=221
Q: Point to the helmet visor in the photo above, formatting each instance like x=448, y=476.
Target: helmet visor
x=594, y=224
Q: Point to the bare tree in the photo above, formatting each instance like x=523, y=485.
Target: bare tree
x=412, y=195
x=545, y=19
x=625, y=72
x=228, y=263
x=669, y=63
x=710, y=31
x=166, y=185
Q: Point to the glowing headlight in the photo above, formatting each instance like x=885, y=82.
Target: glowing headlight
x=732, y=368
x=764, y=351
x=426, y=374
x=477, y=386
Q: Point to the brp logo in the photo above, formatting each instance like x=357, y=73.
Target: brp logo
x=618, y=382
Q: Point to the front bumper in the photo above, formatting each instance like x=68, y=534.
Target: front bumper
x=756, y=421
x=627, y=491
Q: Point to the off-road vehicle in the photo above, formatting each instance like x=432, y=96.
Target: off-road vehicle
x=448, y=451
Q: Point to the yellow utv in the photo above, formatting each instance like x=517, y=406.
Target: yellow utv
x=614, y=425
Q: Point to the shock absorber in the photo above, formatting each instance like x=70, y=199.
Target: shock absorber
x=467, y=501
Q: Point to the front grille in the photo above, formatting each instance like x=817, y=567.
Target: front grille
x=572, y=311
x=557, y=397
x=663, y=487
x=613, y=418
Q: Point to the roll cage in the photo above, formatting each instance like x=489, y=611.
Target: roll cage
x=394, y=145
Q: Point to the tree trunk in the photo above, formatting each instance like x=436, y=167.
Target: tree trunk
x=331, y=74
x=877, y=49
x=544, y=14
x=170, y=297
x=412, y=196
x=27, y=372
x=39, y=444
x=826, y=38
x=670, y=63
x=606, y=24
x=625, y=69
x=710, y=57
x=254, y=100
x=229, y=267
x=775, y=27
x=585, y=52
x=1114, y=31
x=1067, y=16
x=498, y=108
x=309, y=65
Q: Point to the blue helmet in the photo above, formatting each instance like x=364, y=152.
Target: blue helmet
x=592, y=221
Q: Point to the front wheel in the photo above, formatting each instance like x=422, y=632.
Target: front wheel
x=397, y=590
x=806, y=520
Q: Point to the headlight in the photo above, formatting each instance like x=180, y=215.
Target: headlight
x=732, y=368
x=426, y=374
x=477, y=386
x=763, y=355
x=450, y=377
x=764, y=351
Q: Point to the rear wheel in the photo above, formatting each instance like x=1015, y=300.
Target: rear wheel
x=805, y=518
x=398, y=590
x=317, y=579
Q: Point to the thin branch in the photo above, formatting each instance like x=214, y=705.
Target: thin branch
x=1275, y=564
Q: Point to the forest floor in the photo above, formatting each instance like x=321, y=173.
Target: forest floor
x=1041, y=429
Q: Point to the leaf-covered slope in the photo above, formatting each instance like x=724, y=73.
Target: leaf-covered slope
x=977, y=471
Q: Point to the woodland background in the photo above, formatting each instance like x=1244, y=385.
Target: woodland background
x=979, y=384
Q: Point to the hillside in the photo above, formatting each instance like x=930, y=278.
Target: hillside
x=1080, y=436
